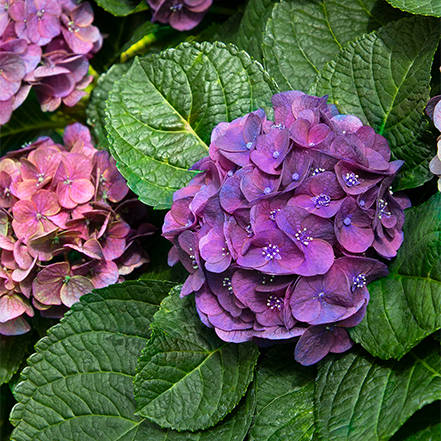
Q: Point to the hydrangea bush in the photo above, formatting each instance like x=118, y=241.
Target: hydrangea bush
x=57, y=199
x=288, y=149
x=45, y=45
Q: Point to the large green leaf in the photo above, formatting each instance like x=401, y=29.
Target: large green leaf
x=187, y=378
x=384, y=79
x=293, y=55
x=250, y=33
x=285, y=399
x=423, y=7
x=13, y=351
x=360, y=398
x=97, y=103
x=161, y=113
x=122, y=7
x=405, y=306
x=424, y=425
x=78, y=385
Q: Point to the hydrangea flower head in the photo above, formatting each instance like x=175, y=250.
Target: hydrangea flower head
x=45, y=44
x=276, y=227
x=67, y=226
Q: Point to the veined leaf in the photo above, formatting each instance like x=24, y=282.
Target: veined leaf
x=13, y=351
x=78, y=385
x=97, y=103
x=285, y=399
x=161, y=113
x=384, y=79
x=423, y=7
x=301, y=36
x=187, y=378
x=250, y=33
x=405, y=306
x=122, y=7
x=361, y=398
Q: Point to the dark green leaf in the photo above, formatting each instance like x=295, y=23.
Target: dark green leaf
x=141, y=32
x=423, y=7
x=293, y=55
x=187, y=378
x=285, y=399
x=27, y=123
x=161, y=113
x=78, y=385
x=227, y=32
x=97, y=104
x=423, y=425
x=384, y=79
x=122, y=7
x=13, y=350
x=233, y=427
x=361, y=398
x=405, y=306
x=250, y=32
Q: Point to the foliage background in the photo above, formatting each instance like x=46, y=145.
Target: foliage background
x=155, y=115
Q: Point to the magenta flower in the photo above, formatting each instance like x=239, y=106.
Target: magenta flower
x=34, y=216
x=72, y=181
x=78, y=31
x=182, y=15
x=43, y=20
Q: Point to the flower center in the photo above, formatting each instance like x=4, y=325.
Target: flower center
x=276, y=154
x=278, y=126
x=40, y=14
x=295, y=177
x=322, y=200
x=317, y=171
x=193, y=260
x=273, y=213
x=351, y=179
x=347, y=221
x=382, y=205
x=271, y=251
x=303, y=237
x=227, y=283
x=177, y=7
x=275, y=302
x=249, y=145
x=267, y=190
x=358, y=281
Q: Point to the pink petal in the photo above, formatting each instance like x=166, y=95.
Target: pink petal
x=74, y=288
x=17, y=326
x=81, y=191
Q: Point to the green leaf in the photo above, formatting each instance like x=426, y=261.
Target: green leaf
x=161, y=113
x=361, y=398
x=227, y=32
x=13, y=351
x=294, y=56
x=233, y=427
x=187, y=378
x=423, y=425
x=122, y=7
x=27, y=123
x=250, y=32
x=423, y=7
x=384, y=79
x=78, y=385
x=405, y=306
x=96, y=108
x=285, y=399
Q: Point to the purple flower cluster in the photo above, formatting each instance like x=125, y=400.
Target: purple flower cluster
x=279, y=230
x=182, y=15
x=45, y=44
x=66, y=226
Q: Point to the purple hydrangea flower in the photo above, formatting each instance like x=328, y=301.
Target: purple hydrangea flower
x=275, y=229
x=182, y=15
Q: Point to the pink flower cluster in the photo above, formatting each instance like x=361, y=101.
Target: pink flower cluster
x=66, y=227
x=45, y=44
